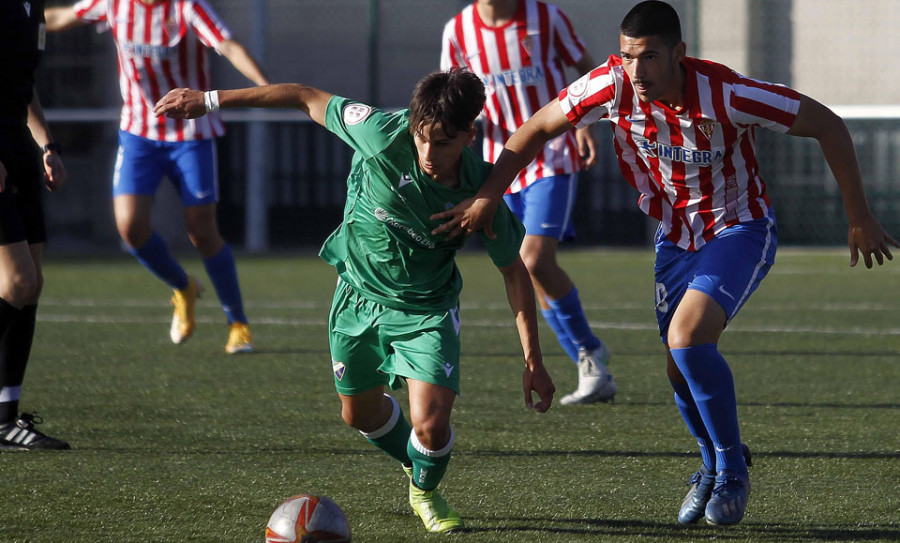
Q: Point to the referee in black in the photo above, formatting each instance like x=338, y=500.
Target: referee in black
x=29, y=159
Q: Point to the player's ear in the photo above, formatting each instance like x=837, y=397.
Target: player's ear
x=679, y=52
x=470, y=134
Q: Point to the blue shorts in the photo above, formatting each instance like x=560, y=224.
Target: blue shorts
x=190, y=165
x=728, y=268
x=545, y=206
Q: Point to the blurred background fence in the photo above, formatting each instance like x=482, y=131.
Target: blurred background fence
x=282, y=177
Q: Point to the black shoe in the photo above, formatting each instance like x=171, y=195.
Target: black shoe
x=21, y=435
x=702, y=484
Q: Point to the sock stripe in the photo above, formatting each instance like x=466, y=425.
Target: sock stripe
x=417, y=445
x=389, y=425
x=10, y=394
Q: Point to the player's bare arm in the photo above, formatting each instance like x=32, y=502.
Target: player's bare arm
x=240, y=58
x=866, y=235
x=61, y=18
x=584, y=136
x=477, y=212
x=54, y=171
x=191, y=103
x=535, y=377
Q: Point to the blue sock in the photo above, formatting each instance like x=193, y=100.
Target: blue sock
x=561, y=335
x=223, y=274
x=155, y=256
x=694, y=422
x=571, y=318
x=712, y=387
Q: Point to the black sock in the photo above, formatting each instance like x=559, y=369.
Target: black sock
x=15, y=348
x=8, y=313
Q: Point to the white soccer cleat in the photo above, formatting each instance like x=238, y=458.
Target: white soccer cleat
x=595, y=383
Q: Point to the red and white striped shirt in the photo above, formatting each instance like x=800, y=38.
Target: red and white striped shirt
x=161, y=47
x=696, y=167
x=522, y=64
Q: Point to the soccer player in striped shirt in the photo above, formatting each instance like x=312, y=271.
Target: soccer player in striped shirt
x=395, y=316
x=684, y=134
x=520, y=49
x=161, y=45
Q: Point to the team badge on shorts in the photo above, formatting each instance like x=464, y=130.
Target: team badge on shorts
x=356, y=113
x=707, y=127
x=338, y=368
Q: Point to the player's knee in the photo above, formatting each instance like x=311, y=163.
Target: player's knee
x=363, y=419
x=207, y=242
x=682, y=337
x=135, y=236
x=19, y=289
x=432, y=434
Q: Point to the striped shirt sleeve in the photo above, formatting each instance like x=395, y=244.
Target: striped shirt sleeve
x=92, y=11
x=762, y=104
x=206, y=24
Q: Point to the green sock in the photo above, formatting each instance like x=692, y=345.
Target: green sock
x=428, y=466
x=393, y=436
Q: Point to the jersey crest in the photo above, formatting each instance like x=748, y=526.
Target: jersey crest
x=355, y=113
x=707, y=127
x=527, y=44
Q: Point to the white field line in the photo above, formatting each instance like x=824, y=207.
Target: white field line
x=647, y=325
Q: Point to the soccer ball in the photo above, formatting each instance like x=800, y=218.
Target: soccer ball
x=308, y=519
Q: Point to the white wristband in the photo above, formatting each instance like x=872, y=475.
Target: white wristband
x=211, y=100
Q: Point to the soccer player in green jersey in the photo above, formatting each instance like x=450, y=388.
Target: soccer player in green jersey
x=395, y=315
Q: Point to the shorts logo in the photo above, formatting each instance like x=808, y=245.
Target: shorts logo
x=448, y=368
x=356, y=113
x=725, y=292
x=338, y=368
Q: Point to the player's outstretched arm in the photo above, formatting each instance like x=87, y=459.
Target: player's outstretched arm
x=866, y=235
x=476, y=213
x=61, y=18
x=240, y=58
x=535, y=377
x=190, y=103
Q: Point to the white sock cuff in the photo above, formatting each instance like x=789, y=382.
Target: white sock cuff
x=417, y=445
x=389, y=425
x=10, y=394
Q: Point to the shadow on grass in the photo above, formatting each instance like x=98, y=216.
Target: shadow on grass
x=746, y=531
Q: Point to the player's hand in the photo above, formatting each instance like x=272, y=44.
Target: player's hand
x=467, y=217
x=55, y=174
x=535, y=378
x=870, y=239
x=587, y=146
x=181, y=104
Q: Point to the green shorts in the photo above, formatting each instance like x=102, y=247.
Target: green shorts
x=373, y=345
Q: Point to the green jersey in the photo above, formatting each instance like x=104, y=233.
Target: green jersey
x=384, y=248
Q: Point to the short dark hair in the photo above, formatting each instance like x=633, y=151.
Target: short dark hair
x=652, y=18
x=453, y=98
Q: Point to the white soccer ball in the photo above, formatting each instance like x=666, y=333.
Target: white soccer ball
x=308, y=519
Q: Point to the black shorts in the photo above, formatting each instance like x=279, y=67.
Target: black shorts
x=21, y=209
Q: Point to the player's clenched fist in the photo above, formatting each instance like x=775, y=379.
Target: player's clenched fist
x=181, y=104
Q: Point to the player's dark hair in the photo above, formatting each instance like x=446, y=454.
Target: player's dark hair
x=453, y=98
x=652, y=18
